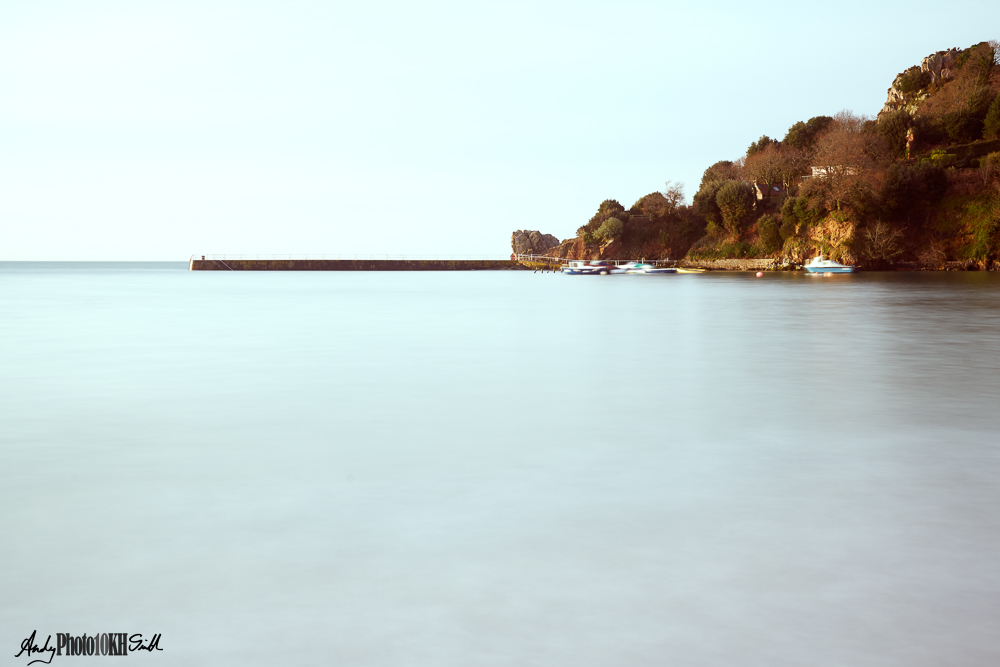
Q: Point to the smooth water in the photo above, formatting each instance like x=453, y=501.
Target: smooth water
x=502, y=468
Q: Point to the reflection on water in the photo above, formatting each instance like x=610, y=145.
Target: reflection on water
x=500, y=468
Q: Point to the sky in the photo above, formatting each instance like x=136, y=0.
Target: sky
x=154, y=130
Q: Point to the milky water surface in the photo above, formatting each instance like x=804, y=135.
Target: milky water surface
x=501, y=468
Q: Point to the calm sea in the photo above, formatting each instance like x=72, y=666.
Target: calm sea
x=501, y=468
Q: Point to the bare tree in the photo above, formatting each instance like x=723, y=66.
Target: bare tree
x=794, y=161
x=845, y=161
x=989, y=166
x=882, y=243
x=763, y=168
x=848, y=121
x=673, y=193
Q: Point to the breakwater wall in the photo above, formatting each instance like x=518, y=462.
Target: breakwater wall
x=728, y=264
x=353, y=265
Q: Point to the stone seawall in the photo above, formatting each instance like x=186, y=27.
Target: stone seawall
x=352, y=265
x=728, y=264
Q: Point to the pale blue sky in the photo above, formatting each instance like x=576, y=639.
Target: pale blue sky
x=154, y=130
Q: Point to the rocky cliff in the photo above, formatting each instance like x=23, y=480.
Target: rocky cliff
x=525, y=242
x=936, y=67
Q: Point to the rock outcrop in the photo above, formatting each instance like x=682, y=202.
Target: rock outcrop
x=938, y=65
x=531, y=242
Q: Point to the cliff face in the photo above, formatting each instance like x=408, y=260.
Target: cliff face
x=525, y=242
x=937, y=67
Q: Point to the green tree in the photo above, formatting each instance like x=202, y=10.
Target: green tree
x=610, y=206
x=736, y=201
x=770, y=235
x=962, y=126
x=705, y=204
x=799, y=210
x=991, y=124
x=909, y=187
x=804, y=134
x=893, y=127
x=760, y=144
x=611, y=229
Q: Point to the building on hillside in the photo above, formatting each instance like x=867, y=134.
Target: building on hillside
x=768, y=190
x=835, y=169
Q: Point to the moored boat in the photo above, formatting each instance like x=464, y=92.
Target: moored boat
x=820, y=264
x=644, y=268
x=582, y=268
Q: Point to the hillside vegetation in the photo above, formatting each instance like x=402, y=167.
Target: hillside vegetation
x=918, y=184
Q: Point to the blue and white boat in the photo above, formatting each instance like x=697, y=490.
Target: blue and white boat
x=820, y=264
x=644, y=268
x=581, y=268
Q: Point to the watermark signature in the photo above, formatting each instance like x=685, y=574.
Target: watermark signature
x=103, y=643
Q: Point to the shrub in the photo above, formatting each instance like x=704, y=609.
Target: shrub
x=962, y=126
x=612, y=228
x=704, y=201
x=770, y=235
x=724, y=249
x=989, y=166
x=736, y=201
x=913, y=80
x=788, y=227
x=991, y=125
x=929, y=130
x=908, y=186
x=939, y=158
x=798, y=210
x=894, y=127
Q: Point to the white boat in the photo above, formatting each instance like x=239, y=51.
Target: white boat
x=820, y=264
x=644, y=268
x=582, y=268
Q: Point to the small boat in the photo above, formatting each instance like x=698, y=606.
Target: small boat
x=643, y=267
x=820, y=264
x=581, y=268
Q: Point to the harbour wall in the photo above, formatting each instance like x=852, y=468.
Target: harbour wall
x=352, y=265
x=728, y=264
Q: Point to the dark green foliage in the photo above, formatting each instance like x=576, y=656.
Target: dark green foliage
x=913, y=80
x=979, y=101
x=788, y=227
x=709, y=248
x=770, y=235
x=704, y=201
x=991, y=124
x=909, y=187
x=609, y=208
x=894, y=127
x=929, y=130
x=800, y=210
x=803, y=135
x=962, y=126
x=736, y=201
x=760, y=144
x=611, y=228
